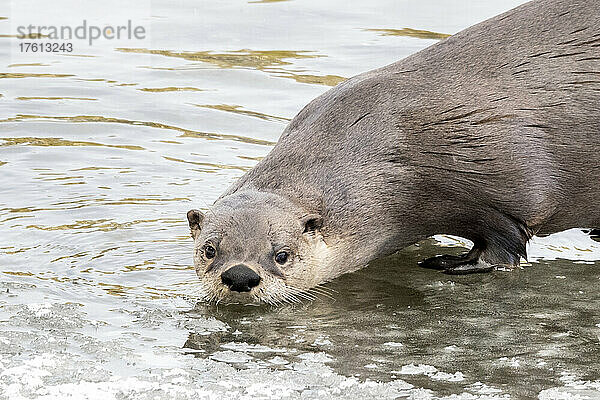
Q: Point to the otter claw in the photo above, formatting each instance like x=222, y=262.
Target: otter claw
x=463, y=269
x=443, y=262
x=456, y=265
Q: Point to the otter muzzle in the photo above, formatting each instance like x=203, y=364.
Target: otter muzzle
x=240, y=278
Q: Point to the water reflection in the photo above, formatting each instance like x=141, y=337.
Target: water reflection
x=97, y=118
x=33, y=141
x=245, y=58
x=170, y=89
x=416, y=33
x=266, y=1
x=26, y=98
x=270, y=61
x=236, y=109
x=327, y=80
x=12, y=75
x=28, y=65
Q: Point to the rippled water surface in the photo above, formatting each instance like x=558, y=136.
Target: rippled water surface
x=103, y=150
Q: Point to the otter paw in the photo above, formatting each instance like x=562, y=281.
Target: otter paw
x=443, y=262
x=469, y=268
x=457, y=265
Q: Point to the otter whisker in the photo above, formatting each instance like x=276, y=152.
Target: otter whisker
x=321, y=286
x=297, y=290
x=276, y=301
x=204, y=289
x=208, y=294
x=291, y=298
x=269, y=298
x=317, y=293
x=318, y=290
x=305, y=296
x=284, y=294
x=300, y=293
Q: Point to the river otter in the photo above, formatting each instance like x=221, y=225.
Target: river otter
x=492, y=135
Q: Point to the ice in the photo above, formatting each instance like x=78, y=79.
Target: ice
x=573, y=244
x=322, y=341
x=251, y=348
x=316, y=357
x=412, y=369
x=56, y=350
x=278, y=361
x=203, y=325
x=231, y=356
x=511, y=362
x=583, y=392
x=444, y=376
x=393, y=344
x=452, y=348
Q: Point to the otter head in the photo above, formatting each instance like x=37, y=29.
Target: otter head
x=257, y=247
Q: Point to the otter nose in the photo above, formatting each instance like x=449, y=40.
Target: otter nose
x=240, y=278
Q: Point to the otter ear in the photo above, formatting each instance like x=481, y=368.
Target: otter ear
x=195, y=218
x=312, y=222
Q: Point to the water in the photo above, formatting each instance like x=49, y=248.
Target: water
x=102, y=151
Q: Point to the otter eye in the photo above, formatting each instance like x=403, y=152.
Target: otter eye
x=209, y=251
x=281, y=257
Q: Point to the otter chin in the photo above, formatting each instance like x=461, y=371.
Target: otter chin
x=492, y=135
